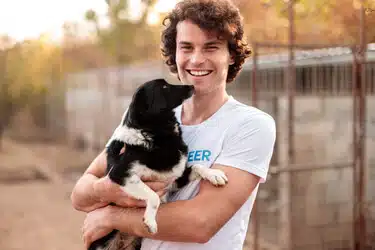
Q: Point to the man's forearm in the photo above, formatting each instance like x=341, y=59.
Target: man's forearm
x=83, y=196
x=177, y=221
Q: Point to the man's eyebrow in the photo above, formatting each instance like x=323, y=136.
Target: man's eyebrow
x=184, y=43
x=216, y=42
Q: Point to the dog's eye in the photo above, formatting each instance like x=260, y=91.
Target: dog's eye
x=165, y=86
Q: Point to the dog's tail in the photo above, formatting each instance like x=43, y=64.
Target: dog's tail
x=117, y=241
x=104, y=242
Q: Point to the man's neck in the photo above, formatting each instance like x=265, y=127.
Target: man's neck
x=201, y=107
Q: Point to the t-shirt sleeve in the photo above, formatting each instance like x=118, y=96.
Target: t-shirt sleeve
x=249, y=145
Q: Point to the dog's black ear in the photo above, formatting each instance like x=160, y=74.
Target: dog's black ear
x=156, y=100
x=139, y=102
x=149, y=98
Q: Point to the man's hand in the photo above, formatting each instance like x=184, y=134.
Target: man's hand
x=97, y=224
x=108, y=191
x=98, y=221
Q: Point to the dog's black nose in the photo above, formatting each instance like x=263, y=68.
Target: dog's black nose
x=185, y=89
x=191, y=87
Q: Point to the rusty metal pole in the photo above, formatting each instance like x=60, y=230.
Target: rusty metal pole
x=291, y=94
x=291, y=83
x=362, y=131
x=286, y=156
x=355, y=145
x=254, y=101
x=359, y=131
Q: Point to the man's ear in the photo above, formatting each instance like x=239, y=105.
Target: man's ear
x=231, y=61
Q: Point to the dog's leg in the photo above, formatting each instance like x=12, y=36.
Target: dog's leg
x=216, y=176
x=135, y=187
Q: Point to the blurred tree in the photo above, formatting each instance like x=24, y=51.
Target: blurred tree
x=26, y=68
x=10, y=100
x=125, y=39
x=317, y=21
x=335, y=21
x=348, y=18
x=80, y=53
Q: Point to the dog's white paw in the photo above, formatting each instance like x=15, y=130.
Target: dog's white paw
x=151, y=224
x=216, y=177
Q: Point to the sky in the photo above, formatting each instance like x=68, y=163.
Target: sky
x=22, y=19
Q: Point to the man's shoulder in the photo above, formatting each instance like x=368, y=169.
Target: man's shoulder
x=244, y=113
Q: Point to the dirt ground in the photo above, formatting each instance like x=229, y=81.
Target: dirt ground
x=35, y=208
x=36, y=213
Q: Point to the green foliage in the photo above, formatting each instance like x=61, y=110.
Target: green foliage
x=25, y=70
x=316, y=21
x=126, y=40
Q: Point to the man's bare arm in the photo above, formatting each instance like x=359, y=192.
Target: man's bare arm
x=83, y=196
x=195, y=220
x=94, y=190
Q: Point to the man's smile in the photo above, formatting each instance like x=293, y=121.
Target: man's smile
x=199, y=72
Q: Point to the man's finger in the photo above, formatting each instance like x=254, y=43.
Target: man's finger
x=161, y=192
x=86, y=241
x=131, y=202
x=136, y=203
x=157, y=185
x=149, y=178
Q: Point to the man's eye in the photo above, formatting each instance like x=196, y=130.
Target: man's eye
x=211, y=48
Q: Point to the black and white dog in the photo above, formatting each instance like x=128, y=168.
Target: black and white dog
x=154, y=146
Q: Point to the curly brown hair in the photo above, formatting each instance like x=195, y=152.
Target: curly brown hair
x=220, y=16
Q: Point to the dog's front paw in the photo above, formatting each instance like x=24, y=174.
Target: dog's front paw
x=216, y=177
x=151, y=224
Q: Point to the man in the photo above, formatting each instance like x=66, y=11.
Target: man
x=203, y=43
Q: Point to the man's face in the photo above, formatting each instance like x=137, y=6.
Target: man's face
x=202, y=59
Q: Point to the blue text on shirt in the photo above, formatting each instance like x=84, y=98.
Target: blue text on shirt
x=199, y=155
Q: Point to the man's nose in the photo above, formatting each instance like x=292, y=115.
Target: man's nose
x=197, y=57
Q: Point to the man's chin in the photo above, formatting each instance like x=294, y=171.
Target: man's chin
x=198, y=83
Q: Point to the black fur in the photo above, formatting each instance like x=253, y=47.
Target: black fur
x=151, y=112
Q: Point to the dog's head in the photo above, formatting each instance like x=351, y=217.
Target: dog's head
x=157, y=97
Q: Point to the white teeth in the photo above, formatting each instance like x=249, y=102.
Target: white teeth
x=199, y=73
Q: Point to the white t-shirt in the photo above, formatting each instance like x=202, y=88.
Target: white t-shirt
x=238, y=136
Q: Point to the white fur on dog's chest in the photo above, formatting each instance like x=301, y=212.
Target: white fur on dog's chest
x=175, y=172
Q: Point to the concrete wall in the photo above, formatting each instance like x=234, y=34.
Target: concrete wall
x=320, y=202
